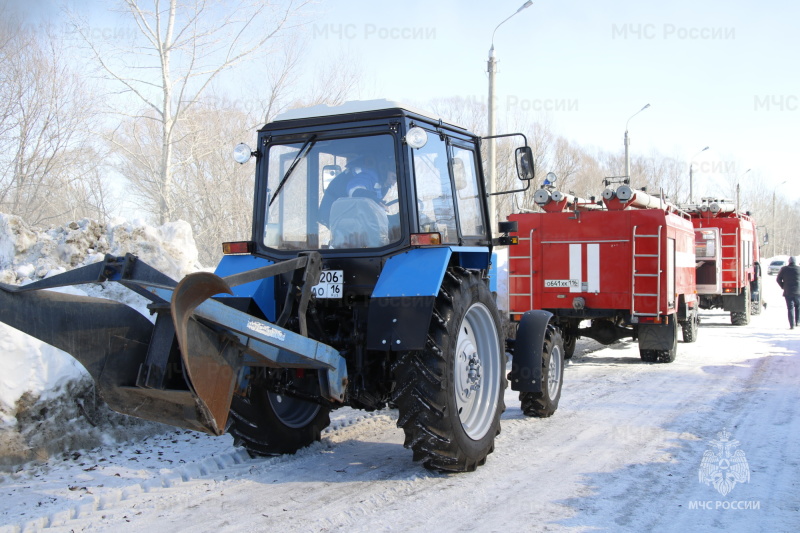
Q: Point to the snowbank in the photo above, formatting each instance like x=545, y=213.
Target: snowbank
x=47, y=400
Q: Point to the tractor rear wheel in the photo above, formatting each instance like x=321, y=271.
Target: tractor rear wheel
x=269, y=423
x=544, y=404
x=450, y=394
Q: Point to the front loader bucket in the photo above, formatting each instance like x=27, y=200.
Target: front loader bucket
x=183, y=369
x=112, y=342
x=108, y=338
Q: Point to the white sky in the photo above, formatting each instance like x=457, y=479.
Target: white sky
x=723, y=74
x=715, y=72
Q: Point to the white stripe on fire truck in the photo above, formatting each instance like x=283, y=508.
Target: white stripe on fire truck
x=575, y=265
x=593, y=267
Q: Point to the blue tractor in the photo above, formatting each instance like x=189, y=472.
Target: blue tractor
x=365, y=284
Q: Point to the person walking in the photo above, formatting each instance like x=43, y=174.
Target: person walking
x=789, y=280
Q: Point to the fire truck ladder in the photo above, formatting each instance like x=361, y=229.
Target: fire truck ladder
x=527, y=278
x=734, y=272
x=641, y=239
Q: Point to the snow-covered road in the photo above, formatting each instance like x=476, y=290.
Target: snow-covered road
x=623, y=453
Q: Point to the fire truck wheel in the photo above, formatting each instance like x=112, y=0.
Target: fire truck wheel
x=663, y=333
x=756, y=303
x=268, y=423
x=449, y=395
x=569, y=345
x=742, y=318
x=690, y=327
x=544, y=404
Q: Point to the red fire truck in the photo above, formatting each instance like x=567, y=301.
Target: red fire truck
x=626, y=267
x=729, y=272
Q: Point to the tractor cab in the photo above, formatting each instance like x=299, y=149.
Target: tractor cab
x=373, y=179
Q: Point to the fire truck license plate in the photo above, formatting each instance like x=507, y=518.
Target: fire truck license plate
x=562, y=283
x=330, y=284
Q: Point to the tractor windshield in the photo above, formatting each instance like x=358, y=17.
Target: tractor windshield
x=332, y=193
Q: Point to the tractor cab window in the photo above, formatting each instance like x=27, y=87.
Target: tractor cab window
x=435, y=206
x=467, y=195
x=332, y=193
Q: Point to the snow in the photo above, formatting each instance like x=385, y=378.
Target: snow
x=36, y=372
x=623, y=452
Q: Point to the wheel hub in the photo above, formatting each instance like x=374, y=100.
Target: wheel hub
x=468, y=373
x=476, y=370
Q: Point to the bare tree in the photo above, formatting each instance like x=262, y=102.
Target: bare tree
x=181, y=48
x=46, y=114
x=214, y=193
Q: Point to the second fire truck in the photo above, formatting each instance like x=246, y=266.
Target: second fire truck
x=729, y=271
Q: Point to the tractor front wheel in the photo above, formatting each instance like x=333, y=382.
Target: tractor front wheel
x=268, y=423
x=450, y=394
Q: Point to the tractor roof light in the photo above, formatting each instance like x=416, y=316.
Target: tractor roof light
x=416, y=137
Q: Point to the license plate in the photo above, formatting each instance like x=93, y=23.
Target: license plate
x=330, y=284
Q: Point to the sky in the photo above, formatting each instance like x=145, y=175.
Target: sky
x=722, y=74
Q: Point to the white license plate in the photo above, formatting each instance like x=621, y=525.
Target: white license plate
x=330, y=284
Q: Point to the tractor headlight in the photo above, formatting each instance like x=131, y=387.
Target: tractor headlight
x=242, y=153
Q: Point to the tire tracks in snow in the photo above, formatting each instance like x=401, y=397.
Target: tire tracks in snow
x=96, y=500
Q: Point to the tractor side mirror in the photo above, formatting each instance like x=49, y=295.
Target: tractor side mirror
x=524, y=158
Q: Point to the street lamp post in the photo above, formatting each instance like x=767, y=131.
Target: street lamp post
x=627, y=146
x=737, y=187
x=691, y=179
x=492, y=163
x=774, y=233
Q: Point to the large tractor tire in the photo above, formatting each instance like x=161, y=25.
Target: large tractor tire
x=450, y=395
x=544, y=404
x=690, y=326
x=268, y=423
x=742, y=318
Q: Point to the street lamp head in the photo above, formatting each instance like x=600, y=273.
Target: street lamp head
x=529, y=3
x=642, y=109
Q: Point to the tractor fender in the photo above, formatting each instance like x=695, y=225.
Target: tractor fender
x=401, y=305
x=526, y=363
